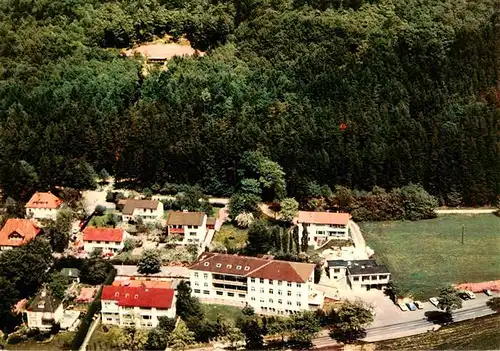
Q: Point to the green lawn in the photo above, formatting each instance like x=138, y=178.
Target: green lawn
x=427, y=254
x=231, y=236
x=227, y=313
x=61, y=341
x=478, y=334
x=99, y=341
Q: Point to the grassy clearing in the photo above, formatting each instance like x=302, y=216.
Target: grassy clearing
x=226, y=313
x=99, y=340
x=478, y=334
x=424, y=255
x=231, y=237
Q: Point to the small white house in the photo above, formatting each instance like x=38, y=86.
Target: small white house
x=136, y=306
x=359, y=274
x=322, y=227
x=149, y=211
x=191, y=227
x=110, y=240
x=45, y=311
x=43, y=206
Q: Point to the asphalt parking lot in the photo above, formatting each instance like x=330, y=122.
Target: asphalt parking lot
x=387, y=313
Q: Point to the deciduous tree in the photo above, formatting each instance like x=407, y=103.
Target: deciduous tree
x=150, y=262
x=289, y=209
x=449, y=299
x=350, y=320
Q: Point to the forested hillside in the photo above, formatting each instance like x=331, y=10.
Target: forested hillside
x=351, y=92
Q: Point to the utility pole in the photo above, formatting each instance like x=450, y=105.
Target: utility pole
x=463, y=231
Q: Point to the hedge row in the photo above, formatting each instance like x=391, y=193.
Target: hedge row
x=94, y=308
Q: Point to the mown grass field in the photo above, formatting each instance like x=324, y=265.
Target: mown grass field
x=424, y=255
x=478, y=334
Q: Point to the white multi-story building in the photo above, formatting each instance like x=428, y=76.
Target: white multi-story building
x=149, y=211
x=43, y=206
x=110, y=240
x=136, y=306
x=322, y=227
x=359, y=274
x=44, y=311
x=269, y=286
x=190, y=227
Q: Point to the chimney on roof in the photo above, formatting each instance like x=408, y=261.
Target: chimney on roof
x=44, y=293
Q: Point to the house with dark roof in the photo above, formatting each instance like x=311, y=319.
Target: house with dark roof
x=188, y=227
x=322, y=227
x=43, y=206
x=359, y=274
x=269, y=286
x=72, y=274
x=137, y=306
x=149, y=211
x=110, y=240
x=44, y=311
x=17, y=232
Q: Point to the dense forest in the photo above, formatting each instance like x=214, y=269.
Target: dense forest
x=350, y=92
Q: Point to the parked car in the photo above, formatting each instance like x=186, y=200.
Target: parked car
x=411, y=306
x=419, y=304
x=403, y=307
x=470, y=294
x=488, y=292
x=463, y=295
x=434, y=301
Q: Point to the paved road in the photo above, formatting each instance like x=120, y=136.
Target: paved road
x=411, y=327
x=466, y=211
x=359, y=241
x=90, y=332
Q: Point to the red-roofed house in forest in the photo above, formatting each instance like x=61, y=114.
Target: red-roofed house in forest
x=43, y=206
x=17, y=232
x=110, y=240
x=323, y=226
x=269, y=286
x=136, y=306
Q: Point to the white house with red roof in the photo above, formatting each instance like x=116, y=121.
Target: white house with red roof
x=269, y=286
x=136, y=305
x=110, y=240
x=43, y=206
x=17, y=232
x=322, y=227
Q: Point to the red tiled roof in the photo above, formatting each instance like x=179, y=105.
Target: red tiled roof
x=282, y=270
x=44, y=200
x=323, y=217
x=253, y=267
x=131, y=204
x=144, y=283
x=129, y=296
x=103, y=234
x=23, y=227
x=185, y=218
